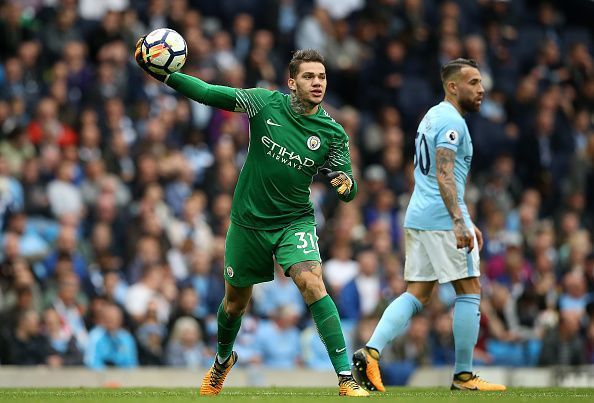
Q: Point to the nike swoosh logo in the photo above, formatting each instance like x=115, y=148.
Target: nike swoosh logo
x=340, y=350
x=271, y=123
x=308, y=251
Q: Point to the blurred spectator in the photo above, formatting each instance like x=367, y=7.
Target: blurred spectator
x=16, y=300
x=189, y=234
x=360, y=296
x=47, y=128
x=61, y=32
x=60, y=339
x=147, y=291
x=186, y=347
x=35, y=197
x=117, y=157
x=340, y=269
x=384, y=209
x=442, y=340
x=114, y=288
x=28, y=345
x=562, y=344
x=66, y=246
x=243, y=24
x=187, y=306
x=32, y=245
x=345, y=56
x=313, y=30
x=407, y=353
x=575, y=295
x=277, y=339
x=64, y=196
x=150, y=337
x=206, y=282
x=509, y=343
x=313, y=350
x=11, y=192
x=16, y=148
x=20, y=292
x=269, y=297
x=14, y=29
x=246, y=343
x=109, y=344
x=69, y=310
x=147, y=253
x=107, y=32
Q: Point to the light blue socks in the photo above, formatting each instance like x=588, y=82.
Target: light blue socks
x=396, y=318
x=394, y=321
x=466, y=328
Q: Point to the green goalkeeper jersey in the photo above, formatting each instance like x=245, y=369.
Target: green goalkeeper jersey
x=285, y=151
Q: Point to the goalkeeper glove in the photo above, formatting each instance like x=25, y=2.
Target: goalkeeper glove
x=339, y=180
x=140, y=61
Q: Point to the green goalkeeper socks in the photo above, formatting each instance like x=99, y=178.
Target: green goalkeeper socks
x=226, y=333
x=325, y=316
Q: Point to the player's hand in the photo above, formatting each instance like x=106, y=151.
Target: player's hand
x=339, y=180
x=479, y=237
x=140, y=61
x=464, y=238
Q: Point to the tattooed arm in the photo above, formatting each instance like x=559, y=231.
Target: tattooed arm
x=445, y=160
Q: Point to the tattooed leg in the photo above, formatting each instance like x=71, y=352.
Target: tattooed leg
x=308, y=278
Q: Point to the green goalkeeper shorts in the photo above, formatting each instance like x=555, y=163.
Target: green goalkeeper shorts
x=250, y=253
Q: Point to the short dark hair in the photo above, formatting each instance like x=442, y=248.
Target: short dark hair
x=302, y=56
x=454, y=67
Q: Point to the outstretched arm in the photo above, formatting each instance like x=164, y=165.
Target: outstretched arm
x=217, y=96
x=251, y=100
x=445, y=160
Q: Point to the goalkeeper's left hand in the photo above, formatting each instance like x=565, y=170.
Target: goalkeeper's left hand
x=339, y=180
x=140, y=61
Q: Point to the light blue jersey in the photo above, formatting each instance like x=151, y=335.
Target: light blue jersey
x=442, y=126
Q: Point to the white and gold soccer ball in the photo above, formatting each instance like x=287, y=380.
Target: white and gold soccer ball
x=164, y=51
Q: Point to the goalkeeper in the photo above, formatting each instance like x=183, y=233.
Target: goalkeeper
x=291, y=137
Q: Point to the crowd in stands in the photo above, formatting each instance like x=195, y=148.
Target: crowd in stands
x=115, y=192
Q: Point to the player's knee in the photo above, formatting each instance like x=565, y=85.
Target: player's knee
x=424, y=299
x=235, y=308
x=470, y=285
x=317, y=289
x=312, y=287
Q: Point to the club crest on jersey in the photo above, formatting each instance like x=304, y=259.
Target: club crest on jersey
x=229, y=271
x=452, y=137
x=313, y=143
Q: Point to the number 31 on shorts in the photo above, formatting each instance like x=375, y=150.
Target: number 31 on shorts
x=308, y=242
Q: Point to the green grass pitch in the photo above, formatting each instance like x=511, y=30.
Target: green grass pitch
x=289, y=395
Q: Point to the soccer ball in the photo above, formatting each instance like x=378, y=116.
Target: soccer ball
x=164, y=51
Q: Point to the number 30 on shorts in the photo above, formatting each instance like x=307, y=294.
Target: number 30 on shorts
x=307, y=241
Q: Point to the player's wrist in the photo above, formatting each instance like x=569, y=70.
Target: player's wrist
x=156, y=76
x=339, y=180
